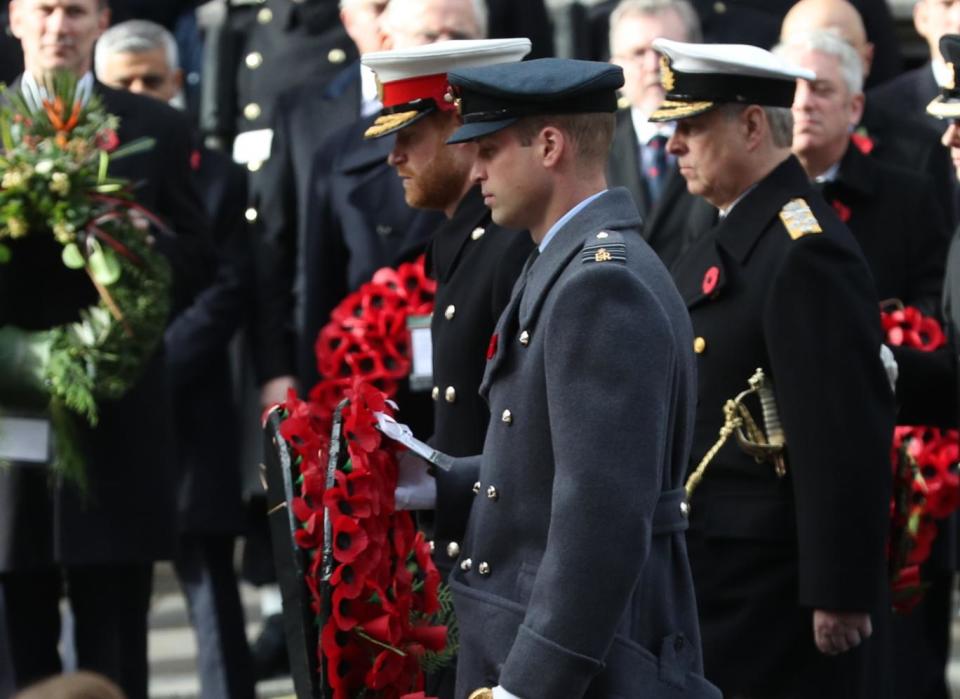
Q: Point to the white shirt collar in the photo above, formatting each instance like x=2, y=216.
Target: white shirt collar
x=34, y=93
x=561, y=222
x=726, y=212
x=830, y=174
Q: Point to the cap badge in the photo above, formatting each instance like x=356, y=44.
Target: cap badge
x=667, y=78
x=710, y=279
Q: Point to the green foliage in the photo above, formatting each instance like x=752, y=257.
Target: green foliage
x=432, y=662
x=53, y=180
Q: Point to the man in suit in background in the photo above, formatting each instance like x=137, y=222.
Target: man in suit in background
x=141, y=56
x=100, y=545
x=878, y=202
x=638, y=158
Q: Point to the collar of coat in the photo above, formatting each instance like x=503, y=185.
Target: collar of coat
x=734, y=238
x=614, y=210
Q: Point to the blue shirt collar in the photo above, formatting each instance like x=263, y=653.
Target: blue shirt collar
x=566, y=218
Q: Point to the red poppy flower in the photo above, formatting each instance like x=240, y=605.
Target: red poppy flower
x=492, y=347
x=432, y=638
x=385, y=628
x=387, y=668
x=710, y=279
x=863, y=142
x=348, y=580
x=349, y=539
x=843, y=211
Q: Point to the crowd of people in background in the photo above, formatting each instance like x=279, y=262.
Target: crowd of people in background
x=282, y=207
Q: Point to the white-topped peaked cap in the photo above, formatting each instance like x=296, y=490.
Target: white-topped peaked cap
x=698, y=77
x=413, y=82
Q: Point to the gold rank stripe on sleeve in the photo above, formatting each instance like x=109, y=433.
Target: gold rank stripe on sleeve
x=799, y=219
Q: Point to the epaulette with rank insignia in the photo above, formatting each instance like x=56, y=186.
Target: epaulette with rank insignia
x=799, y=219
x=605, y=246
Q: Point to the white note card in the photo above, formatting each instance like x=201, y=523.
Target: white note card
x=24, y=439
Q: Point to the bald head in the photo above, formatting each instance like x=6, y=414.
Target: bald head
x=838, y=16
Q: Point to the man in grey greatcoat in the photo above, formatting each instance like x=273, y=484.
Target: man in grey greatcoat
x=573, y=578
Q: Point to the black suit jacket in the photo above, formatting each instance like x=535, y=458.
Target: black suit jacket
x=896, y=219
x=475, y=263
x=282, y=191
x=764, y=547
x=909, y=94
x=129, y=513
x=197, y=357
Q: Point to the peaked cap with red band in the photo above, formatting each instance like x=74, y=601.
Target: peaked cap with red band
x=413, y=81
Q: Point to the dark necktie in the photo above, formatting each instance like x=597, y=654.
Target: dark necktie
x=655, y=172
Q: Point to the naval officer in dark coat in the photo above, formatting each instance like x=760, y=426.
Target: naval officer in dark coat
x=788, y=553
x=573, y=578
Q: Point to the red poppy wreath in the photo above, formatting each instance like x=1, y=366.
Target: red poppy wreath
x=385, y=618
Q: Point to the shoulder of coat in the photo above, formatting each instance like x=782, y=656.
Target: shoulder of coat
x=798, y=219
x=604, y=246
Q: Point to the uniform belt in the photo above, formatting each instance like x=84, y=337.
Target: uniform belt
x=672, y=513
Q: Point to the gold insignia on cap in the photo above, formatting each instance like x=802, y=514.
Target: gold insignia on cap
x=799, y=219
x=951, y=83
x=388, y=122
x=602, y=255
x=667, y=78
x=671, y=110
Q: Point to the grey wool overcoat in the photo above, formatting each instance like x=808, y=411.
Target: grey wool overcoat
x=573, y=579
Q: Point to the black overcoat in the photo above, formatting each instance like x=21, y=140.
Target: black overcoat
x=475, y=263
x=766, y=550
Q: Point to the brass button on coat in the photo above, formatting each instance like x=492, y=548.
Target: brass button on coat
x=685, y=508
x=433, y=545
x=493, y=493
x=252, y=111
x=250, y=214
x=450, y=394
x=476, y=487
x=478, y=233
x=507, y=417
x=699, y=345
x=435, y=393
x=450, y=312
x=337, y=56
x=525, y=338
x=483, y=568
x=466, y=564
x=254, y=60
x=719, y=7
x=453, y=549
x=265, y=16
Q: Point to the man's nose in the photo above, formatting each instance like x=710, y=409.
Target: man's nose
x=396, y=157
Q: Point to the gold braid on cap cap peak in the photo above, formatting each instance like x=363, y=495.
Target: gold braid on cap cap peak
x=388, y=122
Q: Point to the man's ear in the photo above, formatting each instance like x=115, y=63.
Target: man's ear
x=753, y=125
x=856, y=108
x=551, y=142
x=103, y=20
